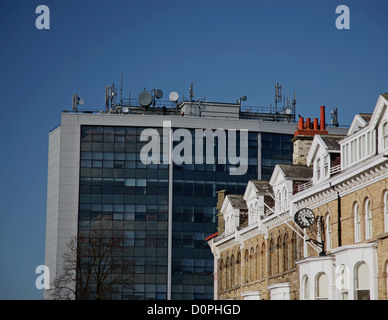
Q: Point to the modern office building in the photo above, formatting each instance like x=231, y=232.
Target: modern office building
x=146, y=167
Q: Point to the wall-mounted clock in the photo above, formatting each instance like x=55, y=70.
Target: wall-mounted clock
x=304, y=217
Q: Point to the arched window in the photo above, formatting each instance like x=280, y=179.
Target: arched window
x=262, y=259
x=294, y=249
x=277, y=255
x=357, y=223
x=271, y=254
x=257, y=262
x=305, y=294
x=233, y=271
x=246, y=261
x=285, y=200
x=285, y=252
x=238, y=267
x=227, y=277
x=368, y=220
x=252, y=265
x=256, y=212
x=328, y=232
x=278, y=201
x=322, y=287
x=318, y=169
x=385, y=135
x=386, y=211
x=362, y=282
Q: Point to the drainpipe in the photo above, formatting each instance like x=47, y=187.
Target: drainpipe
x=338, y=217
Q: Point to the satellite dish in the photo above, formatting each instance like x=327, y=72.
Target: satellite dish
x=288, y=111
x=159, y=94
x=80, y=101
x=173, y=96
x=125, y=110
x=145, y=99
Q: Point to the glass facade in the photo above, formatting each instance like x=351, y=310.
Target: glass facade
x=275, y=149
x=195, y=218
x=116, y=188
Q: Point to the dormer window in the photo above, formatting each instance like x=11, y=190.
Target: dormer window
x=318, y=169
x=326, y=165
x=385, y=135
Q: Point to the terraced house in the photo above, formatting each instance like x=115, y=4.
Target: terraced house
x=338, y=187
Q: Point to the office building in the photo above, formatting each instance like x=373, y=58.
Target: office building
x=102, y=169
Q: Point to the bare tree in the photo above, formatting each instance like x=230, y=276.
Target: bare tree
x=93, y=267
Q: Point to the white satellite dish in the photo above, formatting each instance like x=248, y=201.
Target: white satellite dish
x=80, y=101
x=173, y=96
x=125, y=110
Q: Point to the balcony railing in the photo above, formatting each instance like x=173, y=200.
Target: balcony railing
x=305, y=186
x=335, y=169
x=309, y=184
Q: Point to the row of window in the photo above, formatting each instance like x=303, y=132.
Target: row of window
x=258, y=263
x=358, y=148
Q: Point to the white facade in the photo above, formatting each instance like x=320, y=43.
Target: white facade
x=349, y=272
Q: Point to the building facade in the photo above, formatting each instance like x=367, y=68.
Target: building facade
x=145, y=171
x=343, y=254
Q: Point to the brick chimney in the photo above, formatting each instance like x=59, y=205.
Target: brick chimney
x=304, y=135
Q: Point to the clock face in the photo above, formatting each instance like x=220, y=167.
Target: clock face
x=304, y=218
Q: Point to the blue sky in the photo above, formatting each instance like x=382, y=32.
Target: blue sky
x=227, y=48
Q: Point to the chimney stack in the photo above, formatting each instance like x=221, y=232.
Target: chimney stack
x=323, y=120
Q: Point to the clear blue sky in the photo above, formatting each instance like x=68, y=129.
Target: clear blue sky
x=227, y=48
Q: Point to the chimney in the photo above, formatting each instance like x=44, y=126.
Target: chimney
x=323, y=121
x=315, y=124
x=221, y=222
x=300, y=123
x=308, y=123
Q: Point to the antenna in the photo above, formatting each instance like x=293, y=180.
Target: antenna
x=121, y=90
x=278, y=97
x=173, y=96
x=145, y=99
x=334, y=117
x=293, y=103
x=76, y=101
x=191, y=91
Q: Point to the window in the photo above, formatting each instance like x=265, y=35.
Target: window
x=326, y=165
x=328, y=232
x=386, y=211
x=285, y=252
x=362, y=282
x=278, y=201
x=385, y=135
x=357, y=223
x=285, y=203
x=368, y=220
x=322, y=287
x=318, y=169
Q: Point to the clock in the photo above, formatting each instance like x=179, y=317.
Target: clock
x=304, y=218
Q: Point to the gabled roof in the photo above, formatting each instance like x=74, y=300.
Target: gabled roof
x=261, y=186
x=360, y=121
x=237, y=201
x=296, y=171
x=290, y=172
x=332, y=142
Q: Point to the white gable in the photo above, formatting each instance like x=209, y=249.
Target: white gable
x=357, y=124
